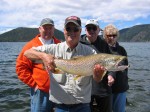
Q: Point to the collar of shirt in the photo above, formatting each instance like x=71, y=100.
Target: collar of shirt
x=45, y=42
x=67, y=49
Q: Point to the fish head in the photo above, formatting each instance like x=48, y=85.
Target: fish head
x=115, y=63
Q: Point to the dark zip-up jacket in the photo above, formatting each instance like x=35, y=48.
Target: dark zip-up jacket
x=121, y=78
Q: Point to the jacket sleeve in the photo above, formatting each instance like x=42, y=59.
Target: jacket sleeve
x=24, y=69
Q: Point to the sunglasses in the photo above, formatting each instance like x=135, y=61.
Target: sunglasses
x=74, y=29
x=111, y=36
x=94, y=28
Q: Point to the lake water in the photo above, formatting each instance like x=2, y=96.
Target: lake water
x=15, y=96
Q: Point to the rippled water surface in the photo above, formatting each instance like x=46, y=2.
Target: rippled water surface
x=15, y=96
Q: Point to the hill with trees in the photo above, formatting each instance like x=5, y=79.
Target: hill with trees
x=137, y=33
x=23, y=34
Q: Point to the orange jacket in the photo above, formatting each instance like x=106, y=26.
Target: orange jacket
x=30, y=73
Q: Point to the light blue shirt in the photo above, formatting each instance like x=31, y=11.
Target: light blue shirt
x=64, y=89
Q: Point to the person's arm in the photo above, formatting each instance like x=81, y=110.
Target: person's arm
x=47, y=59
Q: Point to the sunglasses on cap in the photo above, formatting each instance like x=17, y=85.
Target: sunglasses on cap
x=114, y=35
x=74, y=29
x=89, y=28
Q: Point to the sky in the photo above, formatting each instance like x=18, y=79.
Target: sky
x=29, y=13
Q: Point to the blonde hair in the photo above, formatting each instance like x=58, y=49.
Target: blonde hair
x=110, y=30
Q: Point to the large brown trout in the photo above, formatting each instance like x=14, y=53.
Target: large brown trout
x=84, y=65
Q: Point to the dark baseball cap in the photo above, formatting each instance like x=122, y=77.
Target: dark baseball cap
x=73, y=19
x=47, y=21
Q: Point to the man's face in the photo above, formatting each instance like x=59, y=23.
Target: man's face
x=72, y=34
x=92, y=32
x=47, y=31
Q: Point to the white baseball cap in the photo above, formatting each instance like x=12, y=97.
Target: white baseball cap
x=92, y=22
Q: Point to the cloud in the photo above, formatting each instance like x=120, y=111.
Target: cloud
x=6, y=29
x=28, y=13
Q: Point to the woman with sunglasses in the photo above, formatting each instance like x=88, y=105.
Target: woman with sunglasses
x=120, y=85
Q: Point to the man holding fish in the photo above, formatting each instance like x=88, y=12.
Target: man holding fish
x=71, y=92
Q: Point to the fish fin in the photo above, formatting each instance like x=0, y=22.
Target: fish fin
x=77, y=77
x=104, y=73
x=58, y=71
x=44, y=68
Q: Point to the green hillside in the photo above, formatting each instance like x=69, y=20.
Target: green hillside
x=23, y=34
x=138, y=33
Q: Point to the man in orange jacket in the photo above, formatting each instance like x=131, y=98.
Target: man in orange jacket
x=34, y=75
